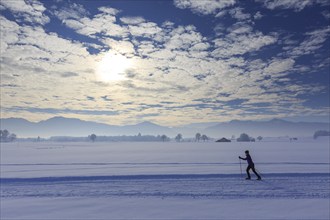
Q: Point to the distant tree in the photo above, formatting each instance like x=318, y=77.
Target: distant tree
x=5, y=136
x=92, y=137
x=139, y=137
x=178, y=138
x=321, y=133
x=198, y=136
x=244, y=138
x=293, y=139
x=204, y=137
x=259, y=138
x=233, y=138
x=164, y=138
x=12, y=137
x=1, y=135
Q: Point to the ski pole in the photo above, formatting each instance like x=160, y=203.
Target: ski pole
x=259, y=173
x=240, y=165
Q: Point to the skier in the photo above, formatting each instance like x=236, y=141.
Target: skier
x=250, y=165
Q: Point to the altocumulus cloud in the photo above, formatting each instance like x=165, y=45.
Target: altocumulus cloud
x=227, y=65
x=61, y=111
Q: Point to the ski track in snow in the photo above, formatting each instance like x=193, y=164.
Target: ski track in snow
x=227, y=186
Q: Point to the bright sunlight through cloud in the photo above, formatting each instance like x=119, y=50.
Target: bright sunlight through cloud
x=112, y=67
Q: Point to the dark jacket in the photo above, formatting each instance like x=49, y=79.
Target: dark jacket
x=249, y=159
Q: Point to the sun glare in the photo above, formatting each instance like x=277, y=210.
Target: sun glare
x=112, y=67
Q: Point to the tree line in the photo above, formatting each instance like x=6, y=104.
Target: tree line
x=6, y=136
x=99, y=138
x=202, y=137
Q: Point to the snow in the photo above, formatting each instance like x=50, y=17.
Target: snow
x=156, y=208
x=164, y=180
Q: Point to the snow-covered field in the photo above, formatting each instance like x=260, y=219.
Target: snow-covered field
x=164, y=180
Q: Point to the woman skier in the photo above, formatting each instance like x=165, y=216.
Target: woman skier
x=250, y=165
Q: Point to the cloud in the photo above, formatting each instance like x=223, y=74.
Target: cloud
x=184, y=38
x=106, y=98
x=240, y=28
x=277, y=66
x=314, y=40
x=120, y=46
x=9, y=33
x=106, y=26
x=69, y=74
x=102, y=25
x=42, y=61
x=180, y=73
x=8, y=85
x=241, y=40
x=326, y=14
x=29, y=11
x=132, y=20
x=238, y=14
x=257, y=15
x=145, y=29
x=296, y=5
x=60, y=111
x=90, y=98
x=73, y=24
x=204, y=7
x=71, y=11
x=147, y=115
x=109, y=10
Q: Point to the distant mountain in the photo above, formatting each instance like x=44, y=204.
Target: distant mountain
x=190, y=130
x=272, y=128
x=72, y=127
x=60, y=126
x=147, y=128
x=57, y=126
x=18, y=126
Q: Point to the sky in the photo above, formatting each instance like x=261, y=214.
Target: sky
x=168, y=62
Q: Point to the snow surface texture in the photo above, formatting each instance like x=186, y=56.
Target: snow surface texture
x=164, y=181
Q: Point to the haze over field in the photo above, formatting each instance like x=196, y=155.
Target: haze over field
x=59, y=126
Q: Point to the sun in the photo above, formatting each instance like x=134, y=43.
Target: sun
x=112, y=67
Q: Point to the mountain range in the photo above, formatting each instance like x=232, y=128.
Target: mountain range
x=60, y=126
